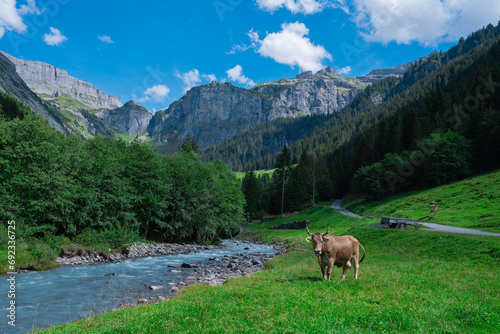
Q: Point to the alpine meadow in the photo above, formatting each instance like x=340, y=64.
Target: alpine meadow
x=217, y=167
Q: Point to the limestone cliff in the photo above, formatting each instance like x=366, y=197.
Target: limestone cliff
x=51, y=82
x=216, y=111
x=12, y=84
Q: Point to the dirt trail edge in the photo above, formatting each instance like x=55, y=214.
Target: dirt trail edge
x=434, y=227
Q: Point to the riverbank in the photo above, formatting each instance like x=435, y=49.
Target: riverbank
x=73, y=256
x=215, y=272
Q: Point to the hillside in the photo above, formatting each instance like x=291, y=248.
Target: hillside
x=410, y=281
x=470, y=203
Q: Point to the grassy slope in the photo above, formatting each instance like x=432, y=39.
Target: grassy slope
x=471, y=203
x=410, y=282
x=258, y=173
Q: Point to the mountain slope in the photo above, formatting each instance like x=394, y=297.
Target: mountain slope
x=12, y=84
x=256, y=148
x=51, y=82
x=65, y=119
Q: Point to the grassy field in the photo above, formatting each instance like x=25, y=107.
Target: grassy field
x=411, y=281
x=471, y=203
x=258, y=173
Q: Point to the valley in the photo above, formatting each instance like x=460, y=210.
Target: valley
x=409, y=281
x=89, y=177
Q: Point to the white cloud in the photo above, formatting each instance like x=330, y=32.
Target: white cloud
x=10, y=18
x=344, y=70
x=29, y=8
x=295, y=6
x=254, y=37
x=54, y=38
x=235, y=74
x=427, y=22
x=157, y=93
x=105, y=39
x=291, y=47
x=193, y=78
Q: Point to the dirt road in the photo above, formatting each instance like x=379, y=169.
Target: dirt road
x=434, y=227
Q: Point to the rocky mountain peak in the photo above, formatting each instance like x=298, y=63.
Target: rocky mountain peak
x=327, y=71
x=305, y=75
x=130, y=118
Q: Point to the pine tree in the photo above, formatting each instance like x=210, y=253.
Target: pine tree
x=189, y=145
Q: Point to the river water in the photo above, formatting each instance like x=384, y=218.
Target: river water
x=45, y=298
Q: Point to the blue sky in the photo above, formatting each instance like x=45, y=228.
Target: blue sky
x=153, y=51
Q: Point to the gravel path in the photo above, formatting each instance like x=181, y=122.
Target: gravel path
x=336, y=206
x=451, y=229
x=434, y=227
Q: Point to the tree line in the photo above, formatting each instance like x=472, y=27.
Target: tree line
x=56, y=185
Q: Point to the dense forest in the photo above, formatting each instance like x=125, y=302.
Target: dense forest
x=436, y=124
x=54, y=185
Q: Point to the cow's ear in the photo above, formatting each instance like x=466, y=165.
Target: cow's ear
x=326, y=239
x=308, y=239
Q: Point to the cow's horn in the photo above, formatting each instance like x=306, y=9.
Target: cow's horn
x=307, y=228
x=327, y=231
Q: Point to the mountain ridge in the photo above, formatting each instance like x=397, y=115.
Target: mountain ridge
x=216, y=111
x=51, y=82
x=210, y=113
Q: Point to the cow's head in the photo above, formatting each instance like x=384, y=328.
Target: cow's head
x=317, y=240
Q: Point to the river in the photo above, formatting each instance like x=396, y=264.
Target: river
x=45, y=298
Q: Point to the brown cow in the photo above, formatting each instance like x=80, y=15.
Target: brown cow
x=434, y=209
x=340, y=251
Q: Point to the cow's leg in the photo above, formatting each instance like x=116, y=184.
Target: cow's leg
x=344, y=270
x=322, y=267
x=356, y=266
x=331, y=261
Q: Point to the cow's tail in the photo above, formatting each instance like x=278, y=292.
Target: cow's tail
x=364, y=253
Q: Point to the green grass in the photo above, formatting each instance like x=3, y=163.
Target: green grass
x=70, y=102
x=471, y=203
x=258, y=173
x=124, y=136
x=412, y=281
